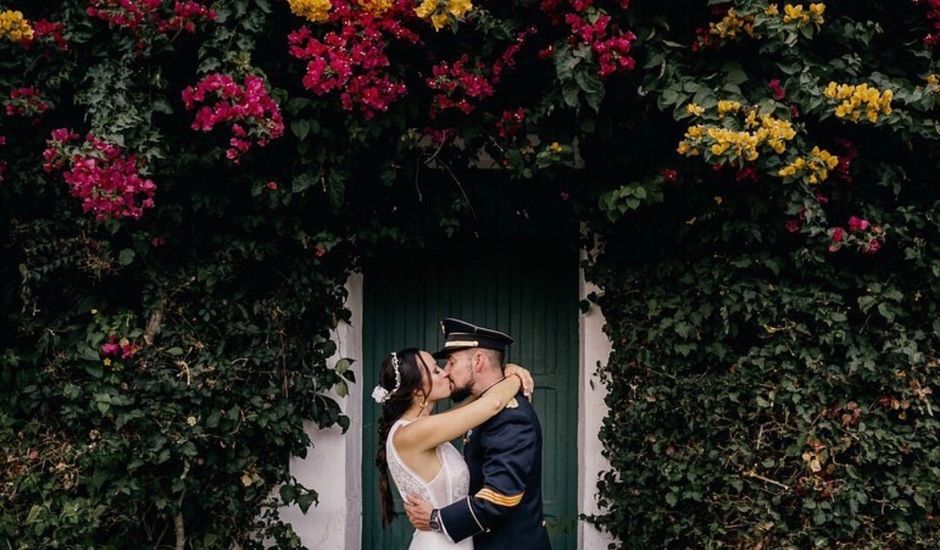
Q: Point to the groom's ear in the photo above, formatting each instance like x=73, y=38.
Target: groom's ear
x=478, y=361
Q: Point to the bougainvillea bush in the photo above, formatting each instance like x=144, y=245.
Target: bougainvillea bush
x=774, y=306
x=184, y=186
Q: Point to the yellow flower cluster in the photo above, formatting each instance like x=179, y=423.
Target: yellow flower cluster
x=933, y=83
x=775, y=132
x=760, y=130
x=741, y=144
x=854, y=97
x=797, y=15
x=440, y=11
x=695, y=109
x=14, y=27
x=733, y=25
x=815, y=168
x=317, y=11
x=376, y=7
x=725, y=107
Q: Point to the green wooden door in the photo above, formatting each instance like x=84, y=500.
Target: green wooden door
x=532, y=298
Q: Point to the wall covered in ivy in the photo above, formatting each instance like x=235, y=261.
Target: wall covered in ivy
x=185, y=185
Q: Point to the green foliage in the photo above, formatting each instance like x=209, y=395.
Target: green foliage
x=770, y=388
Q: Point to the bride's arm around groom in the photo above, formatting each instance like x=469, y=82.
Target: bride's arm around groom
x=504, y=509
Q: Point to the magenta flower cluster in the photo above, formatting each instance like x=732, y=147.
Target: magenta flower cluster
x=352, y=61
x=252, y=115
x=25, y=101
x=867, y=238
x=99, y=173
x=122, y=348
x=458, y=86
x=933, y=15
x=595, y=28
x=45, y=31
x=611, y=46
x=135, y=14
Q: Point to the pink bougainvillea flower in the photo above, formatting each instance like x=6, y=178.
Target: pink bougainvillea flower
x=777, y=89
x=254, y=118
x=857, y=224
x=107, y=180
x=111, y=348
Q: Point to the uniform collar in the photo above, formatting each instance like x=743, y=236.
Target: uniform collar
x=491, y=385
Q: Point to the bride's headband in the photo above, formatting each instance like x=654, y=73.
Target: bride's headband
x=380, y=394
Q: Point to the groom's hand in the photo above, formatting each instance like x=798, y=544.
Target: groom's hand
x=419, y=512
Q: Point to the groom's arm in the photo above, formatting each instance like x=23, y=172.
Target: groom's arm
x=509, y=443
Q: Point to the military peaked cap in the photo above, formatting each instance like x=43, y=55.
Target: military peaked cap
x=460, y=335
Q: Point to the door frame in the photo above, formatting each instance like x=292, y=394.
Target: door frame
x=333, y=462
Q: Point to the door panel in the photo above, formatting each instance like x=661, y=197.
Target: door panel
x=534, y=299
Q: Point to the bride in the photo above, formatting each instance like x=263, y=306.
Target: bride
x=414, y=444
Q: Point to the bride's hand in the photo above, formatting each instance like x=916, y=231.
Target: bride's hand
x=528, y=384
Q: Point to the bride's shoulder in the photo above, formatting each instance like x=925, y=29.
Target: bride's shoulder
x=401, y=433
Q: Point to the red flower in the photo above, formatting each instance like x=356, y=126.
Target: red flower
x=134, y=14
x=933, y=15
x=612, y=47
x=748, y=173
x=108, y=181
x=777, y=89
x=111, y=347
x=247, y=105
x=793, y=225
x=128, y=350
x=510, y=122
x=670, y=174
x=458, y=87
x=25, y=101
x=353, y=60
x=857, y=224
x=43, y=30
x=847, y=154
x=838, y=234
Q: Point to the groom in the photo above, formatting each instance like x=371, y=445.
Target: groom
x=504, y=454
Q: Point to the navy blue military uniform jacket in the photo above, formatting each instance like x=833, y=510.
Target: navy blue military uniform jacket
x=504, y=507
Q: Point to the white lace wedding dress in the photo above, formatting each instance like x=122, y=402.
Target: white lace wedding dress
x=451, y=484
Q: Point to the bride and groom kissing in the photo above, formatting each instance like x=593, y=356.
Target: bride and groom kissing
x=488, y=498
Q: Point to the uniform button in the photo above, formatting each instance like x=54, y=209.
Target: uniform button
x=543, y=523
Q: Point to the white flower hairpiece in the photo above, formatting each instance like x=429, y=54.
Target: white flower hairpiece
x=379, y=393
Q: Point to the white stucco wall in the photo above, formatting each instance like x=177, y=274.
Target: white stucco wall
x=333, y=463
x=332, y=466
x=595, y=349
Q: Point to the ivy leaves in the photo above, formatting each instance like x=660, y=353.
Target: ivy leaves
x=578, y=76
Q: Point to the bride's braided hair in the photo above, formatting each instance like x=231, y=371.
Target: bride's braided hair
x=395, y=405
